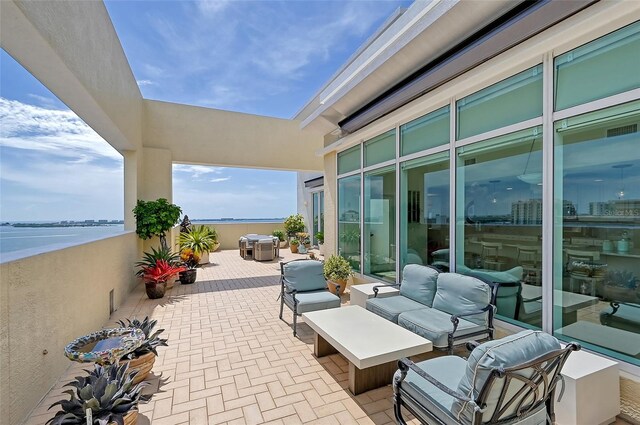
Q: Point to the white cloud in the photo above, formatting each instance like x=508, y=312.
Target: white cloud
x=30, y=127
x=196, y=171
x=145, y=83
x=221, y=179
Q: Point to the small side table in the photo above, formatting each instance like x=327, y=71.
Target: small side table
x=592, y=391
x=361, y=293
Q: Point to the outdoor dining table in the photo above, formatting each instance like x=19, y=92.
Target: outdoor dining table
x=256, y=238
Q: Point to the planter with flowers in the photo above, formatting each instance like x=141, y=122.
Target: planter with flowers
x=293, y=245
x=190, y=260
x=151, y=258
x=155, y=278
x=200, y=239
x=337, y=270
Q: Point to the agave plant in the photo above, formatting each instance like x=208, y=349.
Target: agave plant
x=151, y=340
x=151, y=258
x=200, y=239
x=108, y=391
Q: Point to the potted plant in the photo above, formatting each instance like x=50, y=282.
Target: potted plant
x=151, y=258
x=155, y=278
x=304, y=239
x=336, y=270
x=293, y=245
x=200, y=239
x=108, y=391
x=156, y=218
x=294, y=224
x=214, y=234
x=191, y=261
x=320, y=239
x=143, y=357
x=280, y=235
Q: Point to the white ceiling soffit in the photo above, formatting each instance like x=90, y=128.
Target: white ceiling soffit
x=423, y=32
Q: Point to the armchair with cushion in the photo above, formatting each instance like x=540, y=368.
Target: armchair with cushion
x=507, y=381
x=304, y=289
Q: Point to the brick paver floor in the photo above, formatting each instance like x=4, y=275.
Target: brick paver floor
x=231, y=360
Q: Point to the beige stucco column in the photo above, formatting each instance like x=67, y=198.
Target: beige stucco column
x=157, y=178
x=330, y=203
x=132, y=185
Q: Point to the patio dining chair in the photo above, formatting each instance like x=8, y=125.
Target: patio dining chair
x=506, y=381
x=304, y=289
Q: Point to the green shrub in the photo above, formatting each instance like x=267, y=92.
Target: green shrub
x=294, y=224
x=155, y=218
x=336, y=268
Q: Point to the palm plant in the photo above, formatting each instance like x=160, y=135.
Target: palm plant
x=108, y=391
x=151, y=340
x=200, y=239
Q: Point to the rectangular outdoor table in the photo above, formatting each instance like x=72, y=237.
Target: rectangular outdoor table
x=372, y=345
x=569, y=302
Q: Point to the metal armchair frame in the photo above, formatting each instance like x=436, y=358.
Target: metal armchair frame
x=539, y=388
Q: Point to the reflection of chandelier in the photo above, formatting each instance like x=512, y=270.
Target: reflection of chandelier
x=530, y=178
x=621, y=167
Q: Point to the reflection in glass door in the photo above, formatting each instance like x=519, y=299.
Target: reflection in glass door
x=597, y=230
x=424, y=211
x=318, y=215
x=499, y=220
x=380, y=223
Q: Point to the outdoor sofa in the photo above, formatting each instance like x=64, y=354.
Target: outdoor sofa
x=446, y=308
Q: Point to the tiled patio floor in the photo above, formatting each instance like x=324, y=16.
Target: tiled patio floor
x=231, y=360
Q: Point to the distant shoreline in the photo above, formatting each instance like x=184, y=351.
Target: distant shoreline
x=120, y=222
x=62, y=225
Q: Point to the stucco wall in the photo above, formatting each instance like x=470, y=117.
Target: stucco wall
x=330, y=203
x=214, y=137
x=48, y=300
x=229, y=233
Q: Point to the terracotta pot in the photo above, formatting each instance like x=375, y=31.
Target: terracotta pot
x=155, y=290
x=188, y=276
x=130, y=418
x=331, y=284
x=294, y=248
x=144, y=364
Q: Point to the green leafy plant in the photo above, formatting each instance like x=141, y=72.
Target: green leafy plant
x=294, y=224
x=294, y=242
x=303, y=237
x=160, y=272
x=108, y=391
x=156, y=218
x=350, y=236
x=151, y=340
x=151, y=258
x=336, y=268
x=200, y=239
x=320, y=237
x=189, y=259
x=279, y=234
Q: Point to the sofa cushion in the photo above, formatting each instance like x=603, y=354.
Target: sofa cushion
x=304, y=275
x=448, y=370
x=317, y=300
x=435, y=325
x=459, y=294
x=391, y=307
x=507, y=352
x=419, y=283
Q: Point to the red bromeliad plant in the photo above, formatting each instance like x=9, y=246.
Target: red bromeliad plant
x=160, y=272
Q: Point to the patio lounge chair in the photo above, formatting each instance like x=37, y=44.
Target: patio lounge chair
x=507, y=381
x=304, y=289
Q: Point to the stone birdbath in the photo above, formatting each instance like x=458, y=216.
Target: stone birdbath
x=104, y=347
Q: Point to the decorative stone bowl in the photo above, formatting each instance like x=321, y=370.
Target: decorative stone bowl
x=104, y=347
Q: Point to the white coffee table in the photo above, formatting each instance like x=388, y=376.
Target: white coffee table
x=362, y=292
x=371, y=344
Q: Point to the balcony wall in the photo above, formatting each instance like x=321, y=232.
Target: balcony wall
x=46, y=301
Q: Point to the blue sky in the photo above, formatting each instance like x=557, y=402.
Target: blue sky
x=259, y=57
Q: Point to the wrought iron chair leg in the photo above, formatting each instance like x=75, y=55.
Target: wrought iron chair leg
x=397, y=410
x=281, y=305
x=295, y=322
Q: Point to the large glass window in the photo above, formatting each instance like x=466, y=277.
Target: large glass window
x=604, y=67
x=318, y=215
x=349, y=220
x=499, y=220
x=597, y=230
x=516, y=99
x=380, y=149
x=424, y=211
x=380, y=223
x=349, y=160
x=425, y=132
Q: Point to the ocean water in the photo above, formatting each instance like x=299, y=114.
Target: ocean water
x=19, y=238
x=14, y=239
